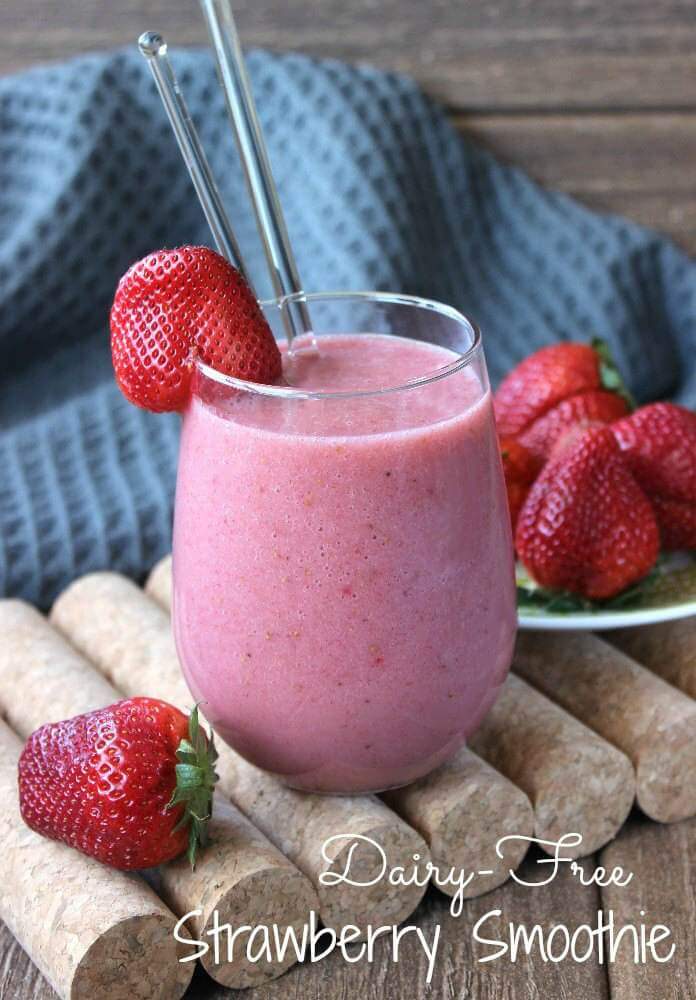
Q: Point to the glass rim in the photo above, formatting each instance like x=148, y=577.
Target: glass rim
x=458, y=362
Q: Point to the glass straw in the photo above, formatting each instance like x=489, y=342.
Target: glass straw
x=255, y=161
x=154, y=49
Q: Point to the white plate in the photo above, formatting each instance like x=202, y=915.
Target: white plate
x=600, y=621
x=669, y=593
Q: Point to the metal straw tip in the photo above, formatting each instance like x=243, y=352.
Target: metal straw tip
x=151, y=44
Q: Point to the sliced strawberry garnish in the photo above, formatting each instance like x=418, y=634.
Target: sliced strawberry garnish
x=175, y=305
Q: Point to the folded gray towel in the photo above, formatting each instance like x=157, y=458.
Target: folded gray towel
x=379, y=192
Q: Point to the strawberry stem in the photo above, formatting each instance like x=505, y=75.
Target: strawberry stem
x=609, y=375
x=195, y=782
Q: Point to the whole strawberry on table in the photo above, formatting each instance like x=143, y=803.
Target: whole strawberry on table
x=130, y=784
x=596, y=488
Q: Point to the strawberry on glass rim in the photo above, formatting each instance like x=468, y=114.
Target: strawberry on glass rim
x=175, y=306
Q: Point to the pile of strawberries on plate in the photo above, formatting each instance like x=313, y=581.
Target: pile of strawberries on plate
x=596, y=488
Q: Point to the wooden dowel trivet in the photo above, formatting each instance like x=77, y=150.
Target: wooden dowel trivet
x=576, y=781
x=92, y=931
x=159, y=583
x=128, y=637
x=668, y=649
x=651, y=721
x=241, y=876
x=462, y=809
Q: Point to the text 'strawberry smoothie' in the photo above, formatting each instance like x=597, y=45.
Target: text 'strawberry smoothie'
x=344, y=596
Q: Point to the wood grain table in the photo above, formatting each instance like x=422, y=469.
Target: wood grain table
x=596, y=98
x=663, y=859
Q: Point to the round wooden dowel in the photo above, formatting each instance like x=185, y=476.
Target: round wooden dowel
x=92, y=931
x=667, y=649
x=159, y=583
x=242, y=877
x=128, y=637
x=576, y=781
x=462, y=809
x=352, y=834
x=651, y=721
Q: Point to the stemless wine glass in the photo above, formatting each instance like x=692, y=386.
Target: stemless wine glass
x=344, y=599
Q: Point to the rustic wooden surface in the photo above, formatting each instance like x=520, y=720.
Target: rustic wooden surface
x=457, y=973
x=663, y=859
x=595, y=98
x=599, y=100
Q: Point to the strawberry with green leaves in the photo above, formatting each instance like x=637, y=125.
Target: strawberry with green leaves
x=556, y=388
x=586, y=526
x=130, y=785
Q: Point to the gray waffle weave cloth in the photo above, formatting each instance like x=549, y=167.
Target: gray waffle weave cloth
x=379, y=192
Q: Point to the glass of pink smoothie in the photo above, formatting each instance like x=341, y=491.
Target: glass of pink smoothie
x=344, y=599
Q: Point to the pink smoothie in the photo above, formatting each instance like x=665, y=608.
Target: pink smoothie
x=344, y=599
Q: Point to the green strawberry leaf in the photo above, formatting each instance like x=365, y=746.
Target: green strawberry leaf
x=195, y=782
x=609, y=375
x=672, y=581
